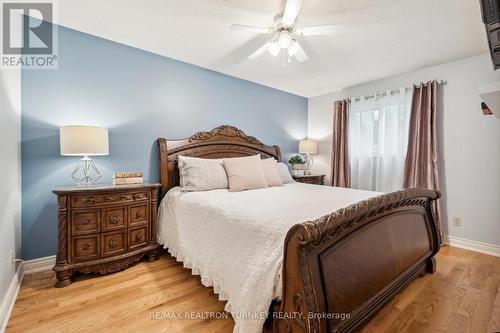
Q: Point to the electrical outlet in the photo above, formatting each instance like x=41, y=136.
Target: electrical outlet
x=457, y=221
x=12, y=257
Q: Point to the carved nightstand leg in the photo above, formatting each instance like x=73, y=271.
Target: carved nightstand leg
x=63, y=276
x=63, y=279
x=153, y=255
x=431, y=265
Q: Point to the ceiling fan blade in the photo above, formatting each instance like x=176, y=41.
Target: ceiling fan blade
x=298, y=52
x=251, y=28
x=292, y=9
x=260, y=51
x=320, y=30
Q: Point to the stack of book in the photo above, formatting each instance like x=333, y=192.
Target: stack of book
x=127, y=178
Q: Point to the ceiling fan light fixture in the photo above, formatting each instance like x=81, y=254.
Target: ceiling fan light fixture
x=293, y=48
x=274, y=49
x=285, y=31
x=284, y=40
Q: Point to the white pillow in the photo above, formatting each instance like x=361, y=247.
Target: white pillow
x=271, y=173
x=285, y=175
x=245, y=173
x=201, y=174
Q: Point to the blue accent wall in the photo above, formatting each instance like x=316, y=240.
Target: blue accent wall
x=139, y=96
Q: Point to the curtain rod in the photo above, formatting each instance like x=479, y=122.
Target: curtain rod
x=393, y=92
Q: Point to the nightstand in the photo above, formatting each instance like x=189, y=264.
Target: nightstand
x=310, y=179
x=104, y=228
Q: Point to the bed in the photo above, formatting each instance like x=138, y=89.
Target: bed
x=320, y=259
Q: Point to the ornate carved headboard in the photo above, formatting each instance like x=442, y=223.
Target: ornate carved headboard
x=222, y=141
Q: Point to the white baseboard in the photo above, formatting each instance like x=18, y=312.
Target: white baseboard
x=39, y=265
x=492, y=250
x=9, y=298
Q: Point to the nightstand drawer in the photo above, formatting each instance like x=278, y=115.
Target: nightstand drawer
x=85, y=247
x=138, y=237
x=85, y=222
x=139, y=215
x=309, y=179
x=107, y=199
x=113, y=243
x=114, y=218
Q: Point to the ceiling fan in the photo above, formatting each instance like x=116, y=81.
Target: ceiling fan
x=285, y=32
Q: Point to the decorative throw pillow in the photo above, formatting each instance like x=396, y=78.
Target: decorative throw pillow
x=284, y=172
x=271, y=172
x=244, y=173
x=201, y=174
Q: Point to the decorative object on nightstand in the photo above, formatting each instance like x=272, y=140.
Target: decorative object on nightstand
x=84, y=141
x=297, y=163
x=308, y=148
x=104, y=229
x=310, y=179
x=128, y=178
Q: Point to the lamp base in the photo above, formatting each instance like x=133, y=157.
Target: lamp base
x=308, y=165
x=86, y=172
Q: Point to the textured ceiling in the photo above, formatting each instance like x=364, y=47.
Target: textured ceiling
x=381, y=37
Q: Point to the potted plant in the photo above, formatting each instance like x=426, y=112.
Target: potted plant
x=297, y=162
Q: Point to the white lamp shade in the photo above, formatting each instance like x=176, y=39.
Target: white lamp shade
x=84, y=141
x=308, y=147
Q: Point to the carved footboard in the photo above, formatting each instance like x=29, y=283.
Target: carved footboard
x=340, y=269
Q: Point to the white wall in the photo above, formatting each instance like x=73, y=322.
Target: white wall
x=10, y=181
x=470, y=142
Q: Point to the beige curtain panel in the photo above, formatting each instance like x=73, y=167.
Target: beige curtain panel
x=421, y=165
x=340, y=159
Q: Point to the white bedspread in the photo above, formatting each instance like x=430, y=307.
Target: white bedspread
x=235, y=240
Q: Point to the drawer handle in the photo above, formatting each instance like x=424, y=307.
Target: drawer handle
x=114, y=219
x=109, y=199
x=138, y=237
x=124, y=198
x=85, y=246
x=113, y=243
x=90, y=200
x=86, y=221
x=139, y=196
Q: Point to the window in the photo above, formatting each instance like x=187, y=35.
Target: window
x=378, y=140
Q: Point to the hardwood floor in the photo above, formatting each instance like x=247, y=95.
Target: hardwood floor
x=462, y=296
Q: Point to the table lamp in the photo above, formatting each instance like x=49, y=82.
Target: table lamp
x=84, y=141
x=308, y=148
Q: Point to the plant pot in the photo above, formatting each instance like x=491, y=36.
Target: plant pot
x=297, y=173
x=297, y=166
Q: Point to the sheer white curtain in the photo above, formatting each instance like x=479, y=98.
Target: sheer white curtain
x=378, y=140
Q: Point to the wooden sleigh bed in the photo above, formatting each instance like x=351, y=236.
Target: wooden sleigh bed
x=339, y=270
